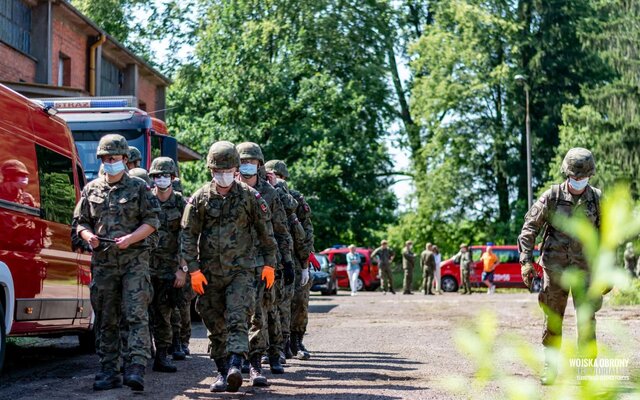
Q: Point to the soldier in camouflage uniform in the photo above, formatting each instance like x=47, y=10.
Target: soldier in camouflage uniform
x=135, y=158
x=225, y=225
x=463, y=258
x=265, y=327
x=277, y=173
x=121, y=209
x=428, y=265
x=142, y=174
x=408, y=265
x=386, y=257
x=166, y=275
x=630, y=259
x=561, y=252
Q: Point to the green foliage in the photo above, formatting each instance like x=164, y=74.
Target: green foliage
x=626, y=297
x=306, y=81
x=489, y=353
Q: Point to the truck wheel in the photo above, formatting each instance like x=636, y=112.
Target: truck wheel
x=360, y=285
x=449, y=284
x=3, y=339
x=87, y=341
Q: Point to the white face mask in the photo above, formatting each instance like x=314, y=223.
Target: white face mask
x=578, y=185
x=24, y=181
x=224, y=179
x=162, y=182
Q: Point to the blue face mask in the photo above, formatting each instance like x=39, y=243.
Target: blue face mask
x=578, y=185
x=248, y=169
x=114, y=168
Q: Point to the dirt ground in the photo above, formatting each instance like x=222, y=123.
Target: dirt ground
x=369, y=346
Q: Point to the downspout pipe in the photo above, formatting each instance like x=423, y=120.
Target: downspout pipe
x=92, y=63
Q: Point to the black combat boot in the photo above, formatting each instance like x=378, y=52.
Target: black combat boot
x=293, y=346
x=255, y=375
x=287, y=348
x=234, y=376
x=185, y=348
x=275, y=365
x=106, y=380
x=220, y=384
x=302, y=353
x=134, y=377
x=161, y=362
x=176, y=349
x=246, y=367
x=264, y=360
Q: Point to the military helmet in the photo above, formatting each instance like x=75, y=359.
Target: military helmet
x=163, y=165
x=140, y=173
x=14, y=167
x=112, y=145
x=278, y=167
x=578, y=163
x=223, y=155
x=134, y=154
x=250, y=150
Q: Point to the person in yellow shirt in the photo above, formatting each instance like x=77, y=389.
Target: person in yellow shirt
x=489, y=262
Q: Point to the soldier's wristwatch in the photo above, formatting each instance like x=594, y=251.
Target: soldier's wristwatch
x=184, y=268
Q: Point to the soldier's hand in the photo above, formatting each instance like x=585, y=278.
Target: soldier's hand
x=305, y=277
x=289, y=274
x=198, y=282
x=123, y=242
x=268, y=275
x=180, y=280
x=271, y=178
x=527, y=271
x=93, y=241
x=314, y=261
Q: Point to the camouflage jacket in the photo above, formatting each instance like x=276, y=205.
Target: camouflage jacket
x=298, y=235
x=278, y=221
x=304, y=216
x=559, y=250
x=428, y=260
x=218, y=232
x=165, y=258
x=384, y=254
x=116, y=210
x=464, y=259
x=408, y=259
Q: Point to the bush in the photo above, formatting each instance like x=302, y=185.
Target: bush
x=626, y=297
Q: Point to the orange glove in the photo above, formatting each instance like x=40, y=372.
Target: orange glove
x=268, y=275
x=198, y=282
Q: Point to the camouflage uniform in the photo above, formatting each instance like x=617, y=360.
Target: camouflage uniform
x=120, y=278
x=560, y=251
x=218, y=240
x=408, y=265
x=428, y=264
x=630, y=259
x=384, y=265
x=465, y=262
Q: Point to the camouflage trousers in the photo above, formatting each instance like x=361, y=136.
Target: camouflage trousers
x=284, y=295
x=224, y=308
x=553, y=301
x=407, y=284
x=465, y=283
x=387, y=278
x=258, y=332
x=300, y=306
x=121, y=286
x=427, y=279
x=276, y=342
x=181, y=315
x=165, y=299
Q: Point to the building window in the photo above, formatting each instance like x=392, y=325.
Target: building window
x=15, y=24
x=57, y=190
x=110, y=79
x=64, y=70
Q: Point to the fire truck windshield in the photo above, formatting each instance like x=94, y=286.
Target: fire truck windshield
x=87, y=144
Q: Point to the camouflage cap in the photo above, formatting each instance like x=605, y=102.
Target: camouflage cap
x=384, y=242
x=408, y=242
x=250, y=150
x=134, y=154
x=163, y=165
x=112, y=145
x=14, y=167
x=463, y=245
x=140, y=173
x=278, y=167
x=223, y=155
x=578, y=163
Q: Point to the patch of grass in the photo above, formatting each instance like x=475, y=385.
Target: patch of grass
x=628, y=296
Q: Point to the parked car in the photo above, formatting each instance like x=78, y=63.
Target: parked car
x=324, y=281
x=368, y=278
x=44, y=284
x=507, y=273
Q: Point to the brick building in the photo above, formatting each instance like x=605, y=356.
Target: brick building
x=49, y=49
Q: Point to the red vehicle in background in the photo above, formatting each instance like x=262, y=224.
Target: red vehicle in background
x=368, y=278
x=507, y=273
x=44, y=283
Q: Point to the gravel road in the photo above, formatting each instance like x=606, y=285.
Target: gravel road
x=369, y=346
